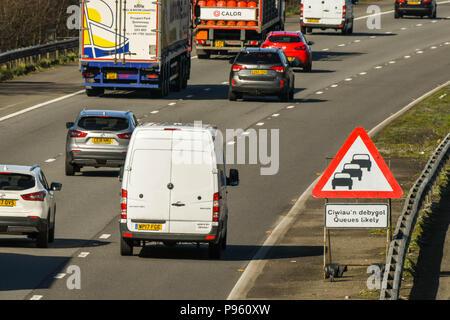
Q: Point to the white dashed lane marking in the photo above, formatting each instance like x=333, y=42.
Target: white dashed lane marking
x=105, y=236
x=36, y=297
x=83, y=254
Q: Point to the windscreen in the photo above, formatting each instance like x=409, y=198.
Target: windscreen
x=285, y=39
x=103, y=123
x=258, y=58
x=16, y=181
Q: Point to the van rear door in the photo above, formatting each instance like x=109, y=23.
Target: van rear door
x=332, y=11
x=148, y=181
x=312, y=9
x=194, y=182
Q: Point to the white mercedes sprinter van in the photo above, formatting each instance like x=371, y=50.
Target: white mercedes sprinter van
x=326, y=14
x=174, y=188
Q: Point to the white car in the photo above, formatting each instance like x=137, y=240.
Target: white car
x=27, y=203
x=327, y=14
x=174, y=188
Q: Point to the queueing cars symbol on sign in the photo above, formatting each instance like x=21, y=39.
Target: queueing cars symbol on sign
x=357, y=171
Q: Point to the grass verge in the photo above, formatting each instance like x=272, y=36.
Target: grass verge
x=23, y=69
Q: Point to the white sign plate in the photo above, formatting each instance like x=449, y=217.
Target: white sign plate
x=356, y=215
x=246, y=14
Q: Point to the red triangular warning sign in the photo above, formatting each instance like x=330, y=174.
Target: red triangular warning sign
x=357, y=171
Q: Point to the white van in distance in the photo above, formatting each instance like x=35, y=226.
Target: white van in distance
x=174, y=188
x=327, y=14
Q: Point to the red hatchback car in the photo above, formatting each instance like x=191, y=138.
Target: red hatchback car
x=294, y=46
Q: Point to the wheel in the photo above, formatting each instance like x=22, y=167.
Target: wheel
x=93, y=92
x=215, y=250
x=308, y=30
x=126, y=248
x=51, y=235
x=350, y=30
x=232, y=96
x=303, y=30
x=202, y=54
x=224, y=241
x=434, y=14
x=184, y=79
x=284, y=97
x=396, y=14
x=308, y=67
x=42, y=238
x=70, y=168
x=163, y=90
x=344, y=29
x=291, y=94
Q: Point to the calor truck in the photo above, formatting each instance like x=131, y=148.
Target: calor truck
x=223, y=26
x=135, y=44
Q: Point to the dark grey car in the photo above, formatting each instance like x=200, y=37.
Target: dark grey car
x=98, y=138
x=261, y=71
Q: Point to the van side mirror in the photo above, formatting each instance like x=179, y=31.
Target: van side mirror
x=55, y=186
x=69, y=125
x=121, y=173
x=233, y=179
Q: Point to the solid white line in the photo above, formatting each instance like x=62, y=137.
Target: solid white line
x=256, y=265
x=40, y=105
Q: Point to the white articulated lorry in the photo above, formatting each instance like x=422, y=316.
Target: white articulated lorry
x=132, y=44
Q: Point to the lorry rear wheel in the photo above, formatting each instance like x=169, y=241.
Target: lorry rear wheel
x=215, y=250
x=303, y=30
x=185, y=75
x=93, y=92
x=178, y=81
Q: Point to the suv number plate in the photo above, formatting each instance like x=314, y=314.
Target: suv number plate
x=7, y=203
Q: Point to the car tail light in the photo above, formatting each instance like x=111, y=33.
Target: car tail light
x=400, y=1
x=278, y=69
x=343, y=11
x=123, y=204
x=426, y=1
x=301, y=11
x=238, y=67
x=77, y=134
x=88, y=74
x=300, y=48
x=36, y=196
x=125, y=135
x=216, y=207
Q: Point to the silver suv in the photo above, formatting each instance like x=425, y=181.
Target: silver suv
x=98, y=138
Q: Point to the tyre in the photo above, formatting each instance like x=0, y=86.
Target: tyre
x=93, y=92
x=350, y=30
x=202, y=54
x=344, y=29
x=51, y=235
x=303, y=30
x=232, y=96
x=308, y=30
x=291, y=94
x=284, y=97
x=397, y=15
x=224, y=241
x=126, y=248
x=184, y=80
x=70, y=168
x=308, y=67
x=42, y=238
x=215, y=250
x=434, y=14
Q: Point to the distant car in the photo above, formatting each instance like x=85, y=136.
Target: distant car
x=353, y=169
x=98, y=138
x=363, y=160
x=27, y=203
x=257, y=71
x=415, y=8
x=342, y=179
x=294, y=46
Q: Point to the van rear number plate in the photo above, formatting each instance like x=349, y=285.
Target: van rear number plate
x=7, y=203
x=312, y=20
x=149, y=226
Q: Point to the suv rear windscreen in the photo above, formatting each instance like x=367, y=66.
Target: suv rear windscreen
x=285, y=39
x=103, y=123
x=258, y=58
x=16, y=181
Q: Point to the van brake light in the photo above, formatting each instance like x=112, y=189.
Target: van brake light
x=216, y=207
x=123, y=204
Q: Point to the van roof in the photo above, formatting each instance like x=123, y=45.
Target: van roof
x=177, y=125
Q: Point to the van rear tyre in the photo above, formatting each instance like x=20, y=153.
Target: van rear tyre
x=215, y=250
x=126, y=248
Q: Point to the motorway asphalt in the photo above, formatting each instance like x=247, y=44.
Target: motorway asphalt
x=357, y=80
